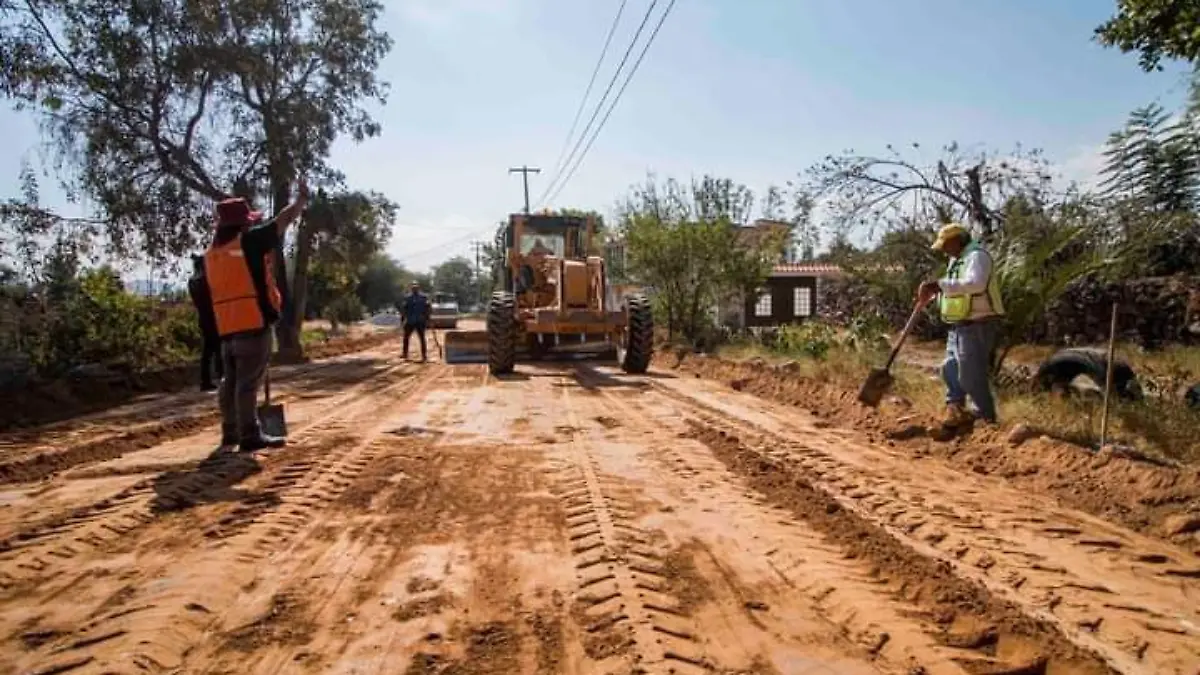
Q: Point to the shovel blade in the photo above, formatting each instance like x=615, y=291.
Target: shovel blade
x=272, y=420
x=875, y=386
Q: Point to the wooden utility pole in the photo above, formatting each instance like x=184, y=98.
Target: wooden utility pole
x=478, y=246
x=525, y=171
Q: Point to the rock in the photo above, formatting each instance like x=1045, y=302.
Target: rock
x=738, y=385
x=1019, y=434
x=1182, y=523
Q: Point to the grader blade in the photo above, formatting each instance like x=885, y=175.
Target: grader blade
x=466, y=346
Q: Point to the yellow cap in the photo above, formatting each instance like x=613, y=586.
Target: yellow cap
x=947, y=233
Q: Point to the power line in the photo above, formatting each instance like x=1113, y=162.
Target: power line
x=603, y=99
x=612, y=107
x=559, y=164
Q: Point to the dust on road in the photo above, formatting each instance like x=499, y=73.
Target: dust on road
x=566, y=519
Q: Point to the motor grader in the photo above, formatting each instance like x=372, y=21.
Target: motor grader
x=553, y=300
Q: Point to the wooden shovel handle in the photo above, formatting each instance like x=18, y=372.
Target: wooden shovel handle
x=908, y=326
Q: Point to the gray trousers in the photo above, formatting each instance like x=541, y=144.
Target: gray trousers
x=965, y=370
x=245, y=358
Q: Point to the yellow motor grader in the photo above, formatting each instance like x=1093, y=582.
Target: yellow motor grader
x=553, y=300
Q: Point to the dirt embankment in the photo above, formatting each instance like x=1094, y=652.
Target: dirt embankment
x=54, y=401
x=1153, y=499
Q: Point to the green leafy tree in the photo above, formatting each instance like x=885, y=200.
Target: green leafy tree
x=1152, y=184
x=1155, y=30
x=342, y=232
x=456, y=276
x=155, y=108
x=686, y=243
x=382, y=283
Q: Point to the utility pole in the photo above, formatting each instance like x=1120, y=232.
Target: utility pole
x=478, y=246
x=525, y=171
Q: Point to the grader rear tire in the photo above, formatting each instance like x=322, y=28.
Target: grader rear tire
x=502, y=333
x=639, y=336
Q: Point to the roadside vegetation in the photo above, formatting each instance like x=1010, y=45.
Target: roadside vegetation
x=1064, y=253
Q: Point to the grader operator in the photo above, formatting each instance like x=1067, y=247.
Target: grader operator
x=553, y=299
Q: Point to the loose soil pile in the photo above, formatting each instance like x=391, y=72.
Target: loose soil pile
x=47, y=402
x=1162, y=501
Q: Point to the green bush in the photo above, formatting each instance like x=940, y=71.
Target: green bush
x=93, y=319
x=812, y=339
x=345, y=308
x=867, y=332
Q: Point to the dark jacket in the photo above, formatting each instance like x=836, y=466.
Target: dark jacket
x=415, y=309
x=202, y=299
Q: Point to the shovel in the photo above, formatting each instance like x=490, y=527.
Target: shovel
x=270, y=415
x=879, y=381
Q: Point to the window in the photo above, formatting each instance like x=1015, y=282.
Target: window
x=802, y=300
x=763, y=306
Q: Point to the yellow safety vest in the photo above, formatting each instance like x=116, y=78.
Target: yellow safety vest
x=956, y=308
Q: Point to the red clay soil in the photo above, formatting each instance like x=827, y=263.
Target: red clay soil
x=967, y=615
x=1162, y=501
x=63, y=399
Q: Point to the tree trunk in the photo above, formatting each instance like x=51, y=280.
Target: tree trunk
x=287, y=333
x=300, y=275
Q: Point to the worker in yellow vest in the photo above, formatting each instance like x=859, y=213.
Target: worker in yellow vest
x=969, y=301
x=239, y=268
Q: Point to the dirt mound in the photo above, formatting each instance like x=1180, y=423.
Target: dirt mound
x=1154, y=499
x=58, y=400
x=41, y=465
x=967, y=615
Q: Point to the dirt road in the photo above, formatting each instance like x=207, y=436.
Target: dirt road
x=567, y=519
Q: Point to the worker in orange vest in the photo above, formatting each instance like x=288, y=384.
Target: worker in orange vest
x=239, y=267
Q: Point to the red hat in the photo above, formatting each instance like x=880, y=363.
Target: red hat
x=235, y=212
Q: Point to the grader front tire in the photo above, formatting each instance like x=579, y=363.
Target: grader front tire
x=502, y=333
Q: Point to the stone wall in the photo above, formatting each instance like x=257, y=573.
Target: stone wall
x=1151, y=311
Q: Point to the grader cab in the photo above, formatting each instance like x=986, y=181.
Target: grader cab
x=552, y=300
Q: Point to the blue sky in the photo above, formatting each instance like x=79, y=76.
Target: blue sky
x=756, y=90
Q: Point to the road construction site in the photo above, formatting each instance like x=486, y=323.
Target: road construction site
x=569, y=518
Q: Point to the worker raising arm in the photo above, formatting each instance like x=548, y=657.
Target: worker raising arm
x=239, y=267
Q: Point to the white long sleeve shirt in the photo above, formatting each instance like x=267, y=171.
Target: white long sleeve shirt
x=972, y=280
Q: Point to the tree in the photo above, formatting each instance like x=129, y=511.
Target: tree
x=1155, y=29
x=156, y=107
x=342, y=233
x=1153, y=187
x=382, y=283
x=456, y=276
x=891, y=191
x=686, y=243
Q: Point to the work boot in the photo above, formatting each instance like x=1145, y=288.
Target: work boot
x=956, y=416
x=229, y=437
x=260, y=442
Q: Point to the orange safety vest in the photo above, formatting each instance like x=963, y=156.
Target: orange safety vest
x=234, y=298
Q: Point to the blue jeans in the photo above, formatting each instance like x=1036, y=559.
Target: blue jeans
x=965, y=370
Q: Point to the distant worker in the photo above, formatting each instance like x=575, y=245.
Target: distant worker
x=210, y=348
x=414, y=312
x=239, y=267
x=970, y=303
x=539, y=248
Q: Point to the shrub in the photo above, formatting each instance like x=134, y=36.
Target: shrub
x=812, y=339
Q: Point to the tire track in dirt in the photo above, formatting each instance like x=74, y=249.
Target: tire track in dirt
x=1012, y=556
x=810, y=573
x=39, y=457
x=36, y=553
x=376, y=574
x=154, y=628
x=338, y=566
x=624, y=601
